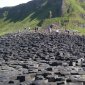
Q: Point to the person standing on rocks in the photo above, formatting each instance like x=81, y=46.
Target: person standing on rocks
x=29, y=28
x=36, y=29
x=57, y=31
x=50, y=28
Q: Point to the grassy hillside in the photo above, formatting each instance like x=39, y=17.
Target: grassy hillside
x=69, y=13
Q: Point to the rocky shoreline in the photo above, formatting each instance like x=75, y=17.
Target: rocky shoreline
x=42, y=59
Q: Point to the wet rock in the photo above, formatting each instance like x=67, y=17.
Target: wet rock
x=11, y=82
x=21, y=78
x=49, y=69
x=40, y=82
x=51, y=78
x=39, y=77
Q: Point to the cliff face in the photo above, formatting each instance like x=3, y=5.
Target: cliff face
x=24, y=10
x=39, y=8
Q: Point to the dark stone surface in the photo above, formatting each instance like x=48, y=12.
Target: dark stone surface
x=42, y=59
x=21, y=78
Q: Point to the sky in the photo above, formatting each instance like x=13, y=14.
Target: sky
x=4, y=3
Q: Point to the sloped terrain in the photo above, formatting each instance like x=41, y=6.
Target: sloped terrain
x=70, y=14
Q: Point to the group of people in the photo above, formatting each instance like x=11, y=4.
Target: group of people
x=52, y=28
x=58, y=30
x=49, y=29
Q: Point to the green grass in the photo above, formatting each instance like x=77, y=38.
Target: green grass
x=41, y=17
